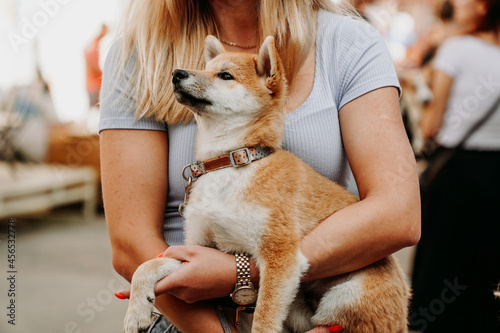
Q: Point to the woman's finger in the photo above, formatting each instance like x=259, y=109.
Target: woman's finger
x=123, y=294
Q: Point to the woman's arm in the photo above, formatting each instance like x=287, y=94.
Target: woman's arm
x=387, y=218
x=432, y=118
x=134, y=183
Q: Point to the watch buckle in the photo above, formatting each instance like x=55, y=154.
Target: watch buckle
x=238, y=310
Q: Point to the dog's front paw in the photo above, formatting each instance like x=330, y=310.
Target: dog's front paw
x=138, y=318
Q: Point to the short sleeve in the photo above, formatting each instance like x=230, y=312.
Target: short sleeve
x=448, y=57
x=118, y=98
x=364, y=62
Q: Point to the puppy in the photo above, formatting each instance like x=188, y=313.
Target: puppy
x=266, y=207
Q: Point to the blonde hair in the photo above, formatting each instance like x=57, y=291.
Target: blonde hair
x=170, y=34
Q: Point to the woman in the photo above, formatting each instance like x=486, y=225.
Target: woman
x=458, y=259
x=343, y=103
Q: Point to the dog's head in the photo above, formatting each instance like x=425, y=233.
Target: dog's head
x=235, y=90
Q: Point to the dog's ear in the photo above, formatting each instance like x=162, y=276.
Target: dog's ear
x=269, y=65
x=212, y=48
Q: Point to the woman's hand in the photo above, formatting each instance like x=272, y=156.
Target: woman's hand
x=205, y=273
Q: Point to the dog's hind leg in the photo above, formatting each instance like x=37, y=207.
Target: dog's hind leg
x=142, y=296
x=372, y=300
x=299, y=316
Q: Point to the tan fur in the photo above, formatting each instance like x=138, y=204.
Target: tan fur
x=274, y=202
x=296, y=187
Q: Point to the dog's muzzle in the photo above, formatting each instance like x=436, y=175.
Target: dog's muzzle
x=185, y=93
x=178, y=75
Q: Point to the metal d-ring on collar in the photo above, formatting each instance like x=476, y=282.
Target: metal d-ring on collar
x=186, y=178
x=186, y=194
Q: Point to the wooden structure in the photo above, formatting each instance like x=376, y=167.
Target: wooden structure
x=31, y=188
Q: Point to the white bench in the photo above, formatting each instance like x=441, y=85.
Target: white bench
x=31, y=188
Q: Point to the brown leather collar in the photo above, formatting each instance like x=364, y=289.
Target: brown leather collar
x=236, y=158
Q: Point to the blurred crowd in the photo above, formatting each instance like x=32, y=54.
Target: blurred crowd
x=29, y=121
x=450, y=73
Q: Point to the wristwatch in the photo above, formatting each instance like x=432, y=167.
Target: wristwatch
x=244, y=292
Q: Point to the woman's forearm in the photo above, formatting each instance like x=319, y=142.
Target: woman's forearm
x=359, y=235
x=135, y=191
x=388, y=216
x=126, y=258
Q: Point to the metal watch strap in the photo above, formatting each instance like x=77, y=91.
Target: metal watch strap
x=243, y=268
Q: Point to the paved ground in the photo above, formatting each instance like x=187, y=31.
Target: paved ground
x=64, y=280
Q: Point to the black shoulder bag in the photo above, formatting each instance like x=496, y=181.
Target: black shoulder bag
x=437, y=157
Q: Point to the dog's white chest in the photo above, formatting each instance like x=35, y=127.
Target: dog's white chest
x=220, y=214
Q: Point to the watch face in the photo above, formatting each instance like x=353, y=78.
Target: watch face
x=244, y=296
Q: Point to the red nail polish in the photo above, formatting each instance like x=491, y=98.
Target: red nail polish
x=120, y=296
x=336, y=328
x=160, y=255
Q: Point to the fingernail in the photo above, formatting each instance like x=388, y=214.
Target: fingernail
x=160, y=255
x=120, y=296
x=336, y=328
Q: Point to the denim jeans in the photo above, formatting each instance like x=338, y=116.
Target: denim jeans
x=161, y=325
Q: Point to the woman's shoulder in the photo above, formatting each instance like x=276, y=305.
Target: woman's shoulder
x=344, y=26
x=118, y=94
x=115, y=55
x=348, y=37
x=353, y=56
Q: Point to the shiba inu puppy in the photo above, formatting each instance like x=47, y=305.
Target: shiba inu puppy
x=263, y=205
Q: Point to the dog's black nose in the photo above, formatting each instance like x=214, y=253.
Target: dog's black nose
x=179, y=75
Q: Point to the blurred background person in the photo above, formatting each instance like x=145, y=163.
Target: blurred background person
x=94, y=73
x=444, y=28
x=25, y=124
x=457, y=265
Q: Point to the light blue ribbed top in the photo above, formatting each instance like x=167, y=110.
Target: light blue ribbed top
x=351, y=60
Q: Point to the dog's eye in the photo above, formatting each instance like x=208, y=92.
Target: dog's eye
x=225, y=76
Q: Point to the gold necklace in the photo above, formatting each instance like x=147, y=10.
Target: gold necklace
x=238, y=45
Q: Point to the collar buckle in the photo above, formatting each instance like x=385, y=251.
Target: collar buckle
x=240, y=160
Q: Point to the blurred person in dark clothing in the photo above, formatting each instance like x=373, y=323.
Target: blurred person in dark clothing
x=457, y=265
